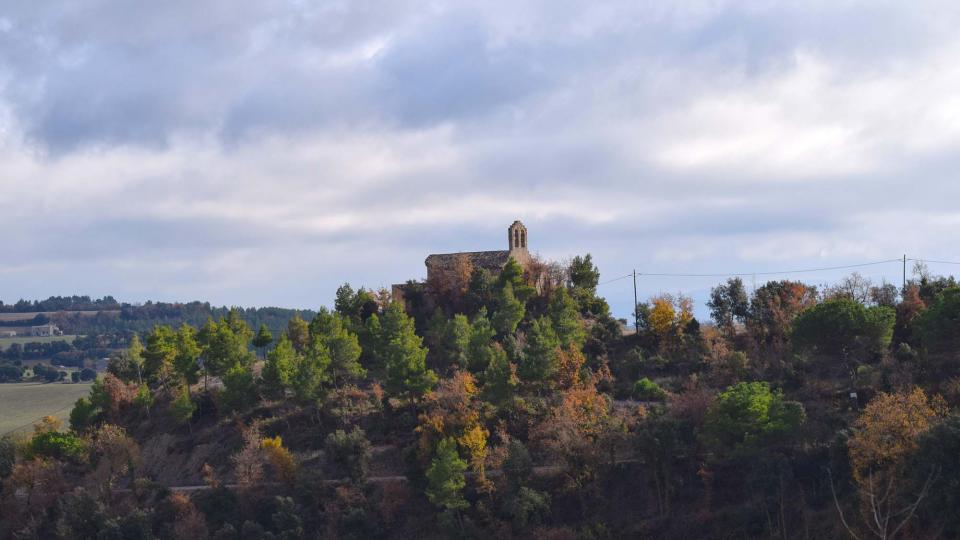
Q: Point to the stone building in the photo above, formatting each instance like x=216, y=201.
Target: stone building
x=450, y=268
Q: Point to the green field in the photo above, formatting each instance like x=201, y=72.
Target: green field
x=6, y=342
x=22, y=404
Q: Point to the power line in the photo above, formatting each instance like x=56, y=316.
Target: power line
x=766, y=273
x=935, y=262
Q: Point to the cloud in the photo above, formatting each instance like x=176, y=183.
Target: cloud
x=264, y=152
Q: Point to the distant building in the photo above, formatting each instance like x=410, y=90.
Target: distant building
x=8, y=333
x=448, y=268
x=45, y=330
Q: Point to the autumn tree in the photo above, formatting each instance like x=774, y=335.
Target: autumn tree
x=280, y=459
x=886, y=434
x=773, y=308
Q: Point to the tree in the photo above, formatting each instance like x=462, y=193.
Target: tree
x=343, y=345
x=182, y=408
x=729, y=303
x=939, y=329
x=500, y=377
x=240, y=389
x=445, y=479
x=540, y=352
x=159, y=354
x=512, y=273
x=298, y=331
x=280, y=459
x=263, y=338
x=937, y=450
x=311, y=370
x=186, y=360
x=509, y=311
x=845, y=329
x=404, y=356
x=566, y=320
x=749, y=416
x=885, y=435
x=478, y=346
x=222, y=347
x=82, y=415
x=348, y=453
x=278, y=370
x=773, y=308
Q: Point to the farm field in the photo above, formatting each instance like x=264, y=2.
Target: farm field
x=22, y=404
x=26, y=316
x=6, y=342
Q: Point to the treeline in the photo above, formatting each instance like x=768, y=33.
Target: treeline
x=60, y=303
x=142, y=318
x=516, y=407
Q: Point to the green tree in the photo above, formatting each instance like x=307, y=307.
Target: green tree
x=845, y=329
x=222, y=348
x=939, y=329
x=144, y=398
x=509, y=311
x=583, y=273
x=186, y=360
x=182, y=408
x=134, y=354
x=445, y=478
x=512, y=274
x=566, y=320
x=278, y=370
x=478, y=347
x=239, y=389
x=729, y=303
x=539, y=361
x=748, y=416
x=500, y=378
x=263, y=339
x=83, y=415
x=160, y=352
x=348, y=453
x=311, y=370
x=404, y=356
x=299, y=333
x=343, y=345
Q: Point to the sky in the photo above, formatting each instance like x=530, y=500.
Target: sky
x=263, y=152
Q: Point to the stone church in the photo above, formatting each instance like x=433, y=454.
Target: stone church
x=448, y=267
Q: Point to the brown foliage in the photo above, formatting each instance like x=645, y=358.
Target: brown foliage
x=569, y=363
x=189, y=522
x=248, y=462
x=114, y=454
x=32, y=488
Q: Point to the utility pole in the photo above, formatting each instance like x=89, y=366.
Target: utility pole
x=636, y=316
x=904, y=272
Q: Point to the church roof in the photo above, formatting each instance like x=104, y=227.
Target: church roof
x=491, y=260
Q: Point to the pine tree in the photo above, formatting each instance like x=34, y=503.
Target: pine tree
x=445, y=477
x=509, y=312
x=540, y=352
x=278, y=369
x=263, y=338
x=566, y=319
x=405, y=359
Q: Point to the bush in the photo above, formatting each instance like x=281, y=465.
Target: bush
x=648, y=390
x=348, y=453
x=56, y=445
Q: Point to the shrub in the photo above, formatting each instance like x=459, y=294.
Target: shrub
x=348, y=453
x=648, y=390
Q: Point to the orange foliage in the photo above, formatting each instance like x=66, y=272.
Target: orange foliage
x=189, y=522
x=889, y=427
x=569, y=363
x=280, y=459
